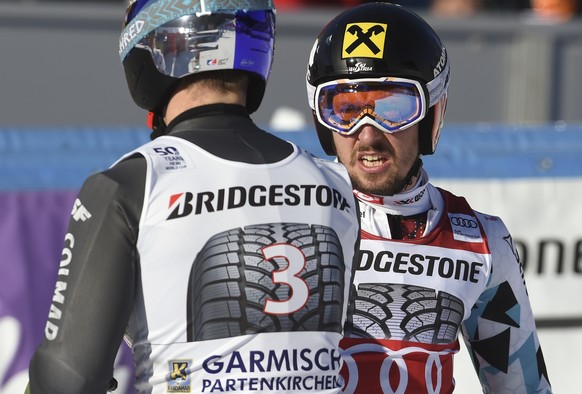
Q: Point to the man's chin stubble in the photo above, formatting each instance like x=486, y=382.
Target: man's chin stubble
x=377, y=185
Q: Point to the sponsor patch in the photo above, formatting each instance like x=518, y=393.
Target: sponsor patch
x=364, y=39
x=465, y=228
x=179, y=376
x=79, y=212
x=183, y=204
x=170, y=158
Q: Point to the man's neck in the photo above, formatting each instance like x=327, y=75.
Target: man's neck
x=195, y=96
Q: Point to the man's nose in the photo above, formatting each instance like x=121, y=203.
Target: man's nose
x=368, y=134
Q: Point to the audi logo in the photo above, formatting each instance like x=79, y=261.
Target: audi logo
x=462, y=222
x=406, y=363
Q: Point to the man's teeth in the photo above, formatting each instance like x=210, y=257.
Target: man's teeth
x=372, y=161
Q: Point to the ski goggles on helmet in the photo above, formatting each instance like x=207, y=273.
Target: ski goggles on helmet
x=192, y=44
x=390, y=104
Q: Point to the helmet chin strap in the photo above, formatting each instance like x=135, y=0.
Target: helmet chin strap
x=414, y=172
x=156, y=122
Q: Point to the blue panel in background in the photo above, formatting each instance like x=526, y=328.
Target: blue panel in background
x=505, y=151
x=61, y=158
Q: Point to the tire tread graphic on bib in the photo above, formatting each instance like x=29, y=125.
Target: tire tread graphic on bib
x=406, y=312
x=231, y=281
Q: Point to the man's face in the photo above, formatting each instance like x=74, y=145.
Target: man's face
x=377, y=162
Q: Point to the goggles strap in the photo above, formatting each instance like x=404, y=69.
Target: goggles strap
x=438, y=86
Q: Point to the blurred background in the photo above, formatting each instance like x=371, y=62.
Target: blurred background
x=512, y=63
x=512, y=144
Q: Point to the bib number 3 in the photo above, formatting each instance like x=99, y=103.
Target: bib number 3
x=288, y=276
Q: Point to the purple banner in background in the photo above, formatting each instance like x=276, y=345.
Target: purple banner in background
x=32, y=229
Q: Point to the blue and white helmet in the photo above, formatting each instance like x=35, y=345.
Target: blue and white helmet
x=163, y=41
